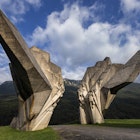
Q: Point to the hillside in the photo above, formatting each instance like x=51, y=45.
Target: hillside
x=126, y=104
x=67, y=110
x=7, y=88
x=7, y=133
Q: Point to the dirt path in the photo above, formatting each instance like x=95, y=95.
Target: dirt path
x=79, y=132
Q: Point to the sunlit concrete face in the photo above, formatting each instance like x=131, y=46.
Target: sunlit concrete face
x=100, y=85
x=38, y=81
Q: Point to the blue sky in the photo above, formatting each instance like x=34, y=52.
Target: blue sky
x=76, y=33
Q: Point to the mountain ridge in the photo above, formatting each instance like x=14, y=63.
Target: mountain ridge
x=125, y=105
x=8, y=88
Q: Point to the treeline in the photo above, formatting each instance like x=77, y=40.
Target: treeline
x=125, y=106
x=66, y=111
x=8, y=109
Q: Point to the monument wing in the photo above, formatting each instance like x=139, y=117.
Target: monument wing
x=100, y=85
x=38, y=81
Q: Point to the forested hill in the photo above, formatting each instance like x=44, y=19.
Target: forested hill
x=126, y=104
x=7, y=88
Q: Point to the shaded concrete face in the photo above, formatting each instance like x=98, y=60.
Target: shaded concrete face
x=38, y=81
x=100, y=85
x=19, y=72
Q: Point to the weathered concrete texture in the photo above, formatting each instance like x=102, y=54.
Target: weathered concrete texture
x=100, y=85
x=38, y=81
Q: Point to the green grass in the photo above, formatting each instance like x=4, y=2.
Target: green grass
x=7, y=133
x=129, y=123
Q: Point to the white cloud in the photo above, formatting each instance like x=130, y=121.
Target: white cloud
x=137, y=79
x=74, y=47
x=130, y=5
x=3, y=57
x=4, y=67
x=16, y=20
x=5, y=74
x=76, y=74
x=16, y=8
x=36, y=3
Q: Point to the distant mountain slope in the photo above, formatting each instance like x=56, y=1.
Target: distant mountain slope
x=74, y=83
x=125, y=105
x=7, y=88
x=131, y=91
x=67, y=110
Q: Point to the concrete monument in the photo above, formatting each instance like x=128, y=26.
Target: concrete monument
x=38, y=81
x=100, y=85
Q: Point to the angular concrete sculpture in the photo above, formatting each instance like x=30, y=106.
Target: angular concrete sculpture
x=100, y=85
x=38, y=81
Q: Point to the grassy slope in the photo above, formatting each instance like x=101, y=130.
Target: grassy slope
x=7, y=133
x=8, y=109
x=129, y=123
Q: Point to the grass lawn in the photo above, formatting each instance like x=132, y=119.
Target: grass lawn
x=7, y=133
x=129, y=123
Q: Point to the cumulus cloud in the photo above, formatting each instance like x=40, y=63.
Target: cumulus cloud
x=74, y=46
x=130, y=5
x=36, y=3
x=16, y=8
x=4, y=68
x=130, y=11
x=137, y=79
x=76, y=74
x=5, y=74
